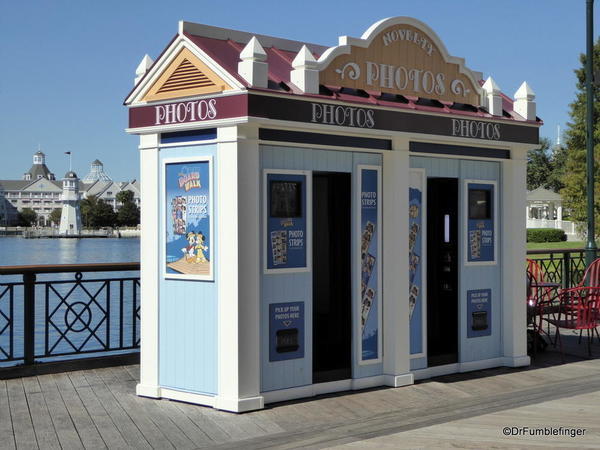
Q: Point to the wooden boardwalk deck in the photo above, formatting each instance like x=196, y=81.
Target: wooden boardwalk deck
x=98, y=409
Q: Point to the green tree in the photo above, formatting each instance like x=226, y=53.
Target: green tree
x=55, y=216
x=559, y=163
x=27, y=217
x=539, y=165
x=125, y=196
x=95, y=213
x=575, y=185
x=129, y=213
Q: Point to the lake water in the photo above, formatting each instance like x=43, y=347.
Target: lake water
x=90, y=306
x=16, y=251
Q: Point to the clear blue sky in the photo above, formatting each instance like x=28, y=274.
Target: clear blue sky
x=67, y=65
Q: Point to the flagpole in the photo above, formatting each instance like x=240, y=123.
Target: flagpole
x=70, y=165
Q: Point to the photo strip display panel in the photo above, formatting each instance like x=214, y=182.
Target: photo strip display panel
x=286, y=219
x=481, y=222
x=369, y=220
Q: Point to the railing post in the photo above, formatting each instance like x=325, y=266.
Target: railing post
x=566, y=278
x=29, y=317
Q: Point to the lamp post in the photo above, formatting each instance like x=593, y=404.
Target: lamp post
x=589, y=74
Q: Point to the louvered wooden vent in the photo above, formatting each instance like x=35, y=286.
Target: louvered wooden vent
x=186, y=76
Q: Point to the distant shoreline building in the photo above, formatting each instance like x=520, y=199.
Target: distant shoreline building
x=39, y=190
x=70, y=218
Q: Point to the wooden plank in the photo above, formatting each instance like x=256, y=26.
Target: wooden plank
x=134, y=371
x=19, y=411
x=90, y=437
x=108, y=431
x=155, y=409
x=138, y=414
x=40, y=416
x=204, y=421
x=120, y=418
x=63, y=425
x=264, y=421
x=6, y=428
x=185, y=424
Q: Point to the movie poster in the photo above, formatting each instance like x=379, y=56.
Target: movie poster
x=188, y=225
x=369, y=254
x=415, y=215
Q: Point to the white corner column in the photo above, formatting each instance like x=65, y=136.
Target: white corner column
x=396, y=335
x=514, y=313
x=238, y=271
x=149, y=181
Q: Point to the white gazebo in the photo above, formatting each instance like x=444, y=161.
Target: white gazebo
x=544, y=204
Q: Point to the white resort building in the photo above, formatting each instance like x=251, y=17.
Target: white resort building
x=39, y=190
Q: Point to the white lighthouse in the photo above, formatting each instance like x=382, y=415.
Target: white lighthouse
x=70, y=219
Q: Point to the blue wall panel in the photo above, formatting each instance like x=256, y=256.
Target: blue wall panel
x=188, y=309
x=472, y=277
x=276, y=288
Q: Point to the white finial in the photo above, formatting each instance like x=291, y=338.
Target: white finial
x=142, y=68
x=304, y=59
x=493, y=100
x=558, y=135
x=305, y=74
x=525, y=92
x=490, y=86
x=253, y=51
x=251, y=67
x=524, y=104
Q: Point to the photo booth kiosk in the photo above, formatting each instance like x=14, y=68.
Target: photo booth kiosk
x=319, y=219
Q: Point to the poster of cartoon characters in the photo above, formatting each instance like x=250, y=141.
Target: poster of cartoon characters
x=369, y=253
x=188, y=226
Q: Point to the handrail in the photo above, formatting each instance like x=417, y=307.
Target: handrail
x=555, y=250
x=55, y=268
x=75, y=310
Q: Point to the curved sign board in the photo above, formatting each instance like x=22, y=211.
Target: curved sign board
x=400, y=56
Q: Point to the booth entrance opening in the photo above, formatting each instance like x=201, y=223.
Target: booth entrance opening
x=332, y=293
x=442, y=271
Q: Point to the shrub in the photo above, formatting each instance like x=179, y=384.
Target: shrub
x=545, y=235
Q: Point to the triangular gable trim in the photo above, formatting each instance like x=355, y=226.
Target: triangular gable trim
x=185, y=76
x=165, y=63
x=31, y=186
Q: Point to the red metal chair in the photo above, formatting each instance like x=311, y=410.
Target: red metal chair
x=578, y=311
x=546, y=295
x=536, y=271
x=591, y=277
x=536, y=308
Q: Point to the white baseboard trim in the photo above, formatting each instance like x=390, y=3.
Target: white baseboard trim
x=367, y=382
x=332, y=386
x=144, y=390
x=436, y=371
x=399, y=380
x=470, y=366
x=354, y=384
x=188, y=397
x=516, y=361
x=282, y=395
x=239, y=405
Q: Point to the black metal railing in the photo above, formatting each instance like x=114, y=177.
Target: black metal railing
x=82, y=311
x=564, y=266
